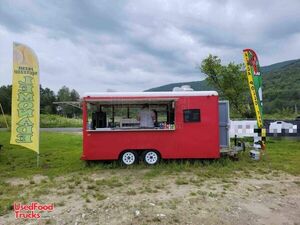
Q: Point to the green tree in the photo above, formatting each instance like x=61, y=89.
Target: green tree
x=47, y=99
x=75, y=97
x=65, y=95
x=231, y=83
x=5, y=98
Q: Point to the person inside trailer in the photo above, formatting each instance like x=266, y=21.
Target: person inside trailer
x=98, y=119
x=146, y=117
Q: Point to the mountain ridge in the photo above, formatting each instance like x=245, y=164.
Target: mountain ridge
x=281, y=86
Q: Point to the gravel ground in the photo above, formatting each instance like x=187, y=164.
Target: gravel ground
x=129, y=197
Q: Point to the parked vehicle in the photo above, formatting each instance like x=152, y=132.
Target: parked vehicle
x=278, y=126
x=188, y=125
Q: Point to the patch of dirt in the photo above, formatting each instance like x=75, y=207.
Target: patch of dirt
x=37, y=179
x=129, y=197
x=17, y=181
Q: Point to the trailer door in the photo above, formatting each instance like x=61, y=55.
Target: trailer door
x=224, y=124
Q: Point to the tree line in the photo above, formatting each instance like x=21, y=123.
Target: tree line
x=280, y=87
x=47, y=97
x=231, y=83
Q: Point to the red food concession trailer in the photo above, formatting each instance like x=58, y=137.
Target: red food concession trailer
x=186, y=126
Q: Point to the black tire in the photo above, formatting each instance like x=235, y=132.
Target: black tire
x=128, y=158
x=151, y=157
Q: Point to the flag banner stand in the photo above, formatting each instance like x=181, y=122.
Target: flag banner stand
x=25, y=114
x=255, y=86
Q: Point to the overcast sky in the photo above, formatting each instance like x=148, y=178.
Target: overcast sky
x=135, y=45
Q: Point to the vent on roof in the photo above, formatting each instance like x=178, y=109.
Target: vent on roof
x=183, y=88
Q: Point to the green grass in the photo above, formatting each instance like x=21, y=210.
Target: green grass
x=110, y=182
x=59, y=121
x=60, y=156
x=181, y=181
x=283, y=155
x=280, y=116
x=48, y=121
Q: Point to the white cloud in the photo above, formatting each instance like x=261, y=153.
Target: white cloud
x=136, y=45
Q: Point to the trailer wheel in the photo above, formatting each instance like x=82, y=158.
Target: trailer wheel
x=151, y=157
x=128, y=158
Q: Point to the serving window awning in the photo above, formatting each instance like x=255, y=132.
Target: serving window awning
x=132, y=101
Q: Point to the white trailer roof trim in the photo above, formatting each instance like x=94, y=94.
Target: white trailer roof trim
x=151, y=94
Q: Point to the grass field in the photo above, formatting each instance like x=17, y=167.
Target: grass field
x=60, y=153
x=48, y=121
x=60, y=156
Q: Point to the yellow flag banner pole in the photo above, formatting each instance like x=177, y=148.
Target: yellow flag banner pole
x=252, y=91
x=25, y=118
x=255, y=85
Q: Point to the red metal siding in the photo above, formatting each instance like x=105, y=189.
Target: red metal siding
x=189, y=140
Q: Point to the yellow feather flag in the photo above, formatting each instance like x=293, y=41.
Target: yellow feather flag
x=25, y=118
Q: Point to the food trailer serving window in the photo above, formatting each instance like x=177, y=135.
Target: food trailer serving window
x=191, y=115
x=122, y=114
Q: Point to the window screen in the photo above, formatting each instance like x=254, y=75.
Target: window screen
x=191, y=115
